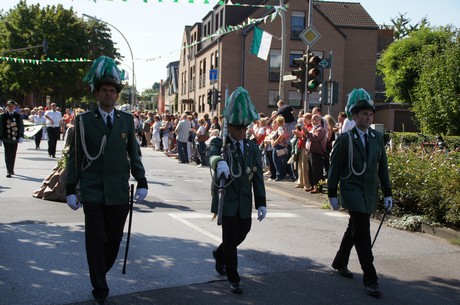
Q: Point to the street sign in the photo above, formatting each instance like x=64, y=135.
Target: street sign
x=213, y=74
x=324, y=63
x=310, y=35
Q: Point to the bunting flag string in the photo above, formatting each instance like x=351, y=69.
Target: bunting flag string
x=220, y=32
x=221, y=2
x=229, y=29
x=41, y=61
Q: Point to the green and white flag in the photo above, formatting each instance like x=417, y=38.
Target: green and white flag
x=261, y=43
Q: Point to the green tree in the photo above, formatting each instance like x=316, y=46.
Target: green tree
x=402, y=27
x=68, y=36
x=422, y=70
x=437, y=94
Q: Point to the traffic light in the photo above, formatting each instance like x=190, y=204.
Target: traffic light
x=313, y=77
x=329, y=89
x=209, y=98
x=324, y=93
x=217, y=100
x=335, y=93
x=215, y=96
x=299, y=83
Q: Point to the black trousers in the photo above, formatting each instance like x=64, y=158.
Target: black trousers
x=357, y=234
x=103, y=233
x=315, y=161
x=38, y=138
x=10, y=156
x=54, y=134
x=234, y=231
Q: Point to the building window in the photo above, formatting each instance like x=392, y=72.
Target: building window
x=295, y=99
x=294, y=54
x=275, y=64
x=273, y=98
x=297, y=24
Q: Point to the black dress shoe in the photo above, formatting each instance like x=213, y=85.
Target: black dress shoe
x=235, y=288
x=372, y=290
x=8, y=175
x=345, y=272
x=220, y=266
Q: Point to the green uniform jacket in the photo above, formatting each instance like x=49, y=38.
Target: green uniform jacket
x=238, y=194
x=359, y=193
x=106, y=179
x=11, y=127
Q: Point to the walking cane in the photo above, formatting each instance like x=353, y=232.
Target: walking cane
x=129, y=228
x=378, y=230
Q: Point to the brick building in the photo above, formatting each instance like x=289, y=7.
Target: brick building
x=346, y=30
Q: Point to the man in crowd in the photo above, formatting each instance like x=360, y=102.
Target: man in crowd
x=53, y=128
x=102, y=157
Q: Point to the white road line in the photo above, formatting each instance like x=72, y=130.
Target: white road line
x=196, y=181
x=157, y=170
x=184, y=215
x=195, y=215
x=195, y=227
x=336, y=214
x=308, y=206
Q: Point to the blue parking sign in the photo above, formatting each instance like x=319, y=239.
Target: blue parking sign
x=213, y=74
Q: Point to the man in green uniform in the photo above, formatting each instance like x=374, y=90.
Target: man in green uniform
x=102, y=156
x=11, y=133
x=359, y=163
x=243, y=178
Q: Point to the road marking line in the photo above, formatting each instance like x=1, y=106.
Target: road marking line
x=195, y=215
x=336, y=214
x=308, y=206
x=195, y=227
x=196, y=181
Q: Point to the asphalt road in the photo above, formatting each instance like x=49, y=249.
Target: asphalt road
x=284, y=260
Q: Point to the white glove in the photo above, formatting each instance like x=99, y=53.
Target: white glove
x=140, y=195
x=20, y=140
x=222, y=168
x=334, y=202
x=388, y=201
x=261, y=213
x=73, y=202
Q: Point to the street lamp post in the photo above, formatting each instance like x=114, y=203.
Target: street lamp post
x=131, y=51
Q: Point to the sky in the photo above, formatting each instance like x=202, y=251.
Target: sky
x=154, y=30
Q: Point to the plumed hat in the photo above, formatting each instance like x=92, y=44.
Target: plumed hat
x=358, y=99
x=11, y=102
x=240, y=110
x=104, y=71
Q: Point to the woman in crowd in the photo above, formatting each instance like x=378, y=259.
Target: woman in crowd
x=330, y=140
x=303, y=180
x=280, y=150
x=39, y=119
x=201, y=137
x=155, y=132
x=166, y=127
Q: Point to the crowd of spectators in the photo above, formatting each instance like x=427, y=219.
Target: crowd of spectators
x=294, y=146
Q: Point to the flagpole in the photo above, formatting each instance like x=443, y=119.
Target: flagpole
x=283, y=49
x=306, y=94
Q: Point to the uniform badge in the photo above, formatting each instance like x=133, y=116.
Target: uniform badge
x=123, y=135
